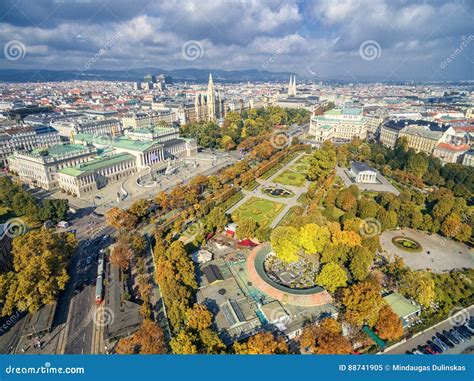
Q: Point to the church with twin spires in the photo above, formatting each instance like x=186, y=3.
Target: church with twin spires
x=209, y=106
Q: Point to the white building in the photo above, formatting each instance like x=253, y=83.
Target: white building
x=346, y=124
x=39, y=167
x=26, y=138
x=87, y=178
x=362, y=173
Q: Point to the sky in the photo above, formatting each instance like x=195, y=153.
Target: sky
x=384, y=40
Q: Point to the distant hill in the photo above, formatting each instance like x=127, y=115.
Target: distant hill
x=179, y=75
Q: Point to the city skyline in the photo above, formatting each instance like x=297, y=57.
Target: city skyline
x=348, y=40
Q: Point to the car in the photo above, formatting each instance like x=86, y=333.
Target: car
x=428, y=350
x=435, y=347
x=470, y=324
x=417, y=352
x=88, y=260
x=423, y=349
x=456, y=334
x=105, y=237
x=451, y=337
x=445, y=340
x=408, y=353
x=464, y=331
x=439, y=343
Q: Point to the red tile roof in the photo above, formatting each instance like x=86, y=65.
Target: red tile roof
x=451, y=147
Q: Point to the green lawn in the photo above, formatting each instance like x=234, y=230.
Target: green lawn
x=290, y=178
x=302, y=165
x=260, y=210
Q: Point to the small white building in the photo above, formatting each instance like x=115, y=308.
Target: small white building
x=362, y=173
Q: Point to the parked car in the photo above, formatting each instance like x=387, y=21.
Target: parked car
x=417, y=352
x=456, y=334
x=63, y=224
x=464, y=331
x=439, y=342
x=451, y=337
x=435, y=347
x=445, y=340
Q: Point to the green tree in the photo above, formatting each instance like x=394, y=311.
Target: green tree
x=285, y=243
x=313, y=238
x=362, y=302
x=419, y=286
x=40, y=259
x=246, y=228
x=332, y=276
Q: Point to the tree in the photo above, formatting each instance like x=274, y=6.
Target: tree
x=418, y=285
x=325, y=339
x=121, y=255
x=199, y=317
x=216, y=219
x=140, y=208
x=246, y=228
x=184, y=343
x=285, y=243
x=362, y=302
x=313, y=238
x=40, y=259
x=417, y=164
x=149, y=339
x=346, y=200
x=388, y=326
x=120, y=219
x=263, y=343
x=361, y=262
x=322, y=164
x=451, y=227
x=332, y=276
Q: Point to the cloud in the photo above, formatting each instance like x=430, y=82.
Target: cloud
x=322, y=35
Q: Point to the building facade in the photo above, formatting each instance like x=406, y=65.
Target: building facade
x=26, y=138
x=87, y=178
x=209, y=106
x=39, y=167
x=144, y=120
x=345, y=124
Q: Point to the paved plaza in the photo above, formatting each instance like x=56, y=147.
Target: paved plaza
x=439, y=254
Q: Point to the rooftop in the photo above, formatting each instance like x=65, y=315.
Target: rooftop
x=121, y=142
x=401, y=305
x=97, y=164
x=59, y=150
